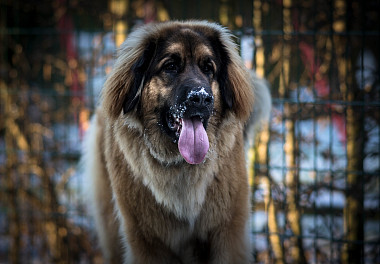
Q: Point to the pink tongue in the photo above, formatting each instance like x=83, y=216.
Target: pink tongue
x=193, y=141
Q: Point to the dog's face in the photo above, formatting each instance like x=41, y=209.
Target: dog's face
x=181, y=91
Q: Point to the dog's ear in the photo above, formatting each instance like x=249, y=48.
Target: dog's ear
x=139, y=69
x=122, y=89
x=223, y=79
x=235, y=81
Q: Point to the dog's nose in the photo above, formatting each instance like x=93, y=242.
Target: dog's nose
x=200, y=97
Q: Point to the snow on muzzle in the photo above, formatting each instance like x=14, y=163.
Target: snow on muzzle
x=189, y=121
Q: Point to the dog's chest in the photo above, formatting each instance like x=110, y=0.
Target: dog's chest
x=182, y=194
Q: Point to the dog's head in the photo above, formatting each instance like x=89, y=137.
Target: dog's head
x=176, y=82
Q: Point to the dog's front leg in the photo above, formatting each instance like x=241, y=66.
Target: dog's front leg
x=230, y=243
x=142, y=250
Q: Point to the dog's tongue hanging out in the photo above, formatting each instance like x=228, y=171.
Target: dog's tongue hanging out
x=193, y=141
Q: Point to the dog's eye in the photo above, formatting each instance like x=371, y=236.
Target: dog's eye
x=207, y=68
x=171, y=67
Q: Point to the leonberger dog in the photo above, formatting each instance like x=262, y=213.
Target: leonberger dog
x=164, y=155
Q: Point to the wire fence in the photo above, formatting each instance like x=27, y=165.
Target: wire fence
x=314, y=170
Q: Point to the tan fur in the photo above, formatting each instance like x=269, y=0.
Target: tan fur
x=167, y=210
x=98, y=193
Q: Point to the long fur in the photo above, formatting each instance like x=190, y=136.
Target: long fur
x=261, y=109
x=149, y=205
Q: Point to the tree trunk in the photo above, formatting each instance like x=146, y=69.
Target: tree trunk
x=292, y=195
x=352, y=251
x=291, y=149
x=11, y=198
x=119, y=10
x=274, y=237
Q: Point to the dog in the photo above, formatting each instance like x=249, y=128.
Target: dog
x=164, y=156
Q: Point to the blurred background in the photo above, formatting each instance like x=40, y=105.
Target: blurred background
x=314, y=170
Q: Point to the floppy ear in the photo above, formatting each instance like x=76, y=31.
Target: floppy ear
x=122, y=88
x=235, y=82
x=139, y=70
